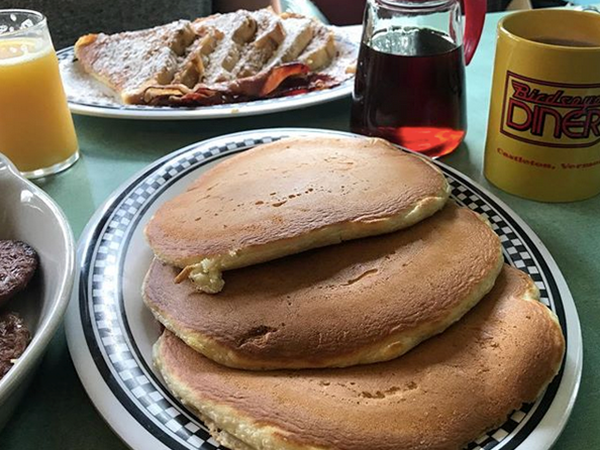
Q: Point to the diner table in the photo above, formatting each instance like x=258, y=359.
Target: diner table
x=56, y=412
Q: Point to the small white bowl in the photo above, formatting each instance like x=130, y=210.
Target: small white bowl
x=28, y=214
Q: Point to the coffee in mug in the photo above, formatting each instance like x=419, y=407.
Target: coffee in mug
x=543, y=139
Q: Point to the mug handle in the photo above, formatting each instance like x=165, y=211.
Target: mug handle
x=474, y=19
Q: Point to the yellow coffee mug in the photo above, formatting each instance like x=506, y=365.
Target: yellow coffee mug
x=543, y=139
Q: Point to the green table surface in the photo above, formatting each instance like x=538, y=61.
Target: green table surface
x=56, y=412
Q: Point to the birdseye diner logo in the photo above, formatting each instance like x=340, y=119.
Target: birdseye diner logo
x=550, y=114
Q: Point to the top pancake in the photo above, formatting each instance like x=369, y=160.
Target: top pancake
x=289, y=196
x=440, y=396
x=359, y=302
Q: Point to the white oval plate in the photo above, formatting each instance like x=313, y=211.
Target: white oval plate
x=111, y=333
x=89, y=97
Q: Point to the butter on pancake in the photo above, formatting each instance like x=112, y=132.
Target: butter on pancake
x=290, y=196
x=359, y=302
x=440, y=396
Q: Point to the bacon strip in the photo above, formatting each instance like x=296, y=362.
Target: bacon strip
x=285, y=80
x=257, y=86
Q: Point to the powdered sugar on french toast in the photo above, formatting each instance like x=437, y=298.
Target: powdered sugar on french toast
x=130, y=61
x=172, y=65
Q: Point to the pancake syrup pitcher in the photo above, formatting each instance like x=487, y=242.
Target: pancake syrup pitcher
x=410, y=80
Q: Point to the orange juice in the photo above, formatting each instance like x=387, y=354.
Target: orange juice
x=36, y=128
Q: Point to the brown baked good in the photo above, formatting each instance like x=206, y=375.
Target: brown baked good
x=18, y=262
x=14, y=338
x=224, y=58
x=132, y=61
x=360, y=302
x=290, y=196
x=440, y=396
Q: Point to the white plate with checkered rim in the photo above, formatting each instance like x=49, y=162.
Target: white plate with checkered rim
x=110, y=332
x=81, y=103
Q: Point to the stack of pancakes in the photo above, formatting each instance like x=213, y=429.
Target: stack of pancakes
x=340, y=256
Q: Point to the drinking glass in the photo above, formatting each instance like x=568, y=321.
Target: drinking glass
x=36, y=127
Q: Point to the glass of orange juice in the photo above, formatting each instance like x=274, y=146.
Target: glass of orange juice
x=36, y=127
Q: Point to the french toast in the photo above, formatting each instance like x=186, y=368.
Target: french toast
x=238, y=28
x=320, y=51
x=299, y=31
x=218, y=59
x=130, y=62
x=193, y=67
x=269, y=36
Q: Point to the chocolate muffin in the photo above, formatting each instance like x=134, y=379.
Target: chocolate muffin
x=18, y=262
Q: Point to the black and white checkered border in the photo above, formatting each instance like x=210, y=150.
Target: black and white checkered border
x=490, y=440
x=106, y=317
x=66, y=56
x=516, y=252
x=104, y=302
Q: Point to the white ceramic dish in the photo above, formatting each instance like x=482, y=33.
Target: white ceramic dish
x=89, y=97
x=28, y=214
x=110, y=332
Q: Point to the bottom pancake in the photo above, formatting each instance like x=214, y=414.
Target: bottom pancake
x=440, y=396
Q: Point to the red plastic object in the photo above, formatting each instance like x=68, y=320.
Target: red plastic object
x=474, y=19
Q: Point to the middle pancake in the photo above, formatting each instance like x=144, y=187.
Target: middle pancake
x=358, y=302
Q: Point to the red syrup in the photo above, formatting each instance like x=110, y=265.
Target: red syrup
x=410, y=90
